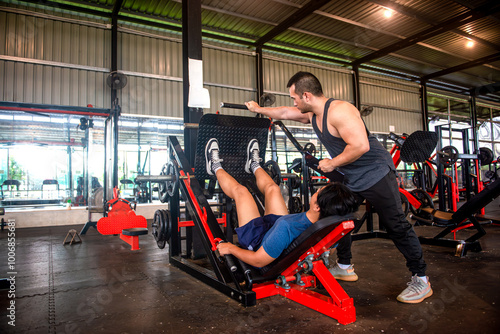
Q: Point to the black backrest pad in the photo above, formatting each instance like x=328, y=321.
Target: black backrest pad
x=477, y=202
x=233, y=134
x=418, y=146
x=302, y=243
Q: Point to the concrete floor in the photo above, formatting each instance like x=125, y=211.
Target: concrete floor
x=100, y=286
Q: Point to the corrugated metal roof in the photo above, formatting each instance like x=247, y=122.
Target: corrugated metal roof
x=347, y=30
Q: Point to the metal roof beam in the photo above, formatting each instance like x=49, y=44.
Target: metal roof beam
x=98, y=10
x=486, y=89
x=464, y=66
x=409, y=12
x=450, y=24
x=296, y=17
x=467, y=4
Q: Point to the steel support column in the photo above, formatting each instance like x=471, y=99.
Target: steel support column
x=423, y=105
x=70, y=164
x=259, y=77
x=355, y=87
x=111, y=181
x=191, y=49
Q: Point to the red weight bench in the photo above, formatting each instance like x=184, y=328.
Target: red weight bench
x=303, y=265
x=122, y=220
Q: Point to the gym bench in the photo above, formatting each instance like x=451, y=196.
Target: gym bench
x=464, y=217
x=122, y=220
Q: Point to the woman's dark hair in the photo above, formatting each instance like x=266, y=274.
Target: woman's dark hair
x=336, y=199
x=305, y=82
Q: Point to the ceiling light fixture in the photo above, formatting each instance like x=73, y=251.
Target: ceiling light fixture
x=388, y=13
x=470, y=44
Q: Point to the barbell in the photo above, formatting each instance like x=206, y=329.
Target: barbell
x=449, y=155
x=168, y=180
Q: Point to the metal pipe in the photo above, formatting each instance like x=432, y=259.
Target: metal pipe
x=160, y=178
x=233, y=106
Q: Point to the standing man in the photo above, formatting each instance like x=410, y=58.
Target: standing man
x=368, y=168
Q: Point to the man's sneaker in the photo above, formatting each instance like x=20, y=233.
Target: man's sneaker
x=416, y=291
x=344, y=274
x=253, y=158
x=212, y=156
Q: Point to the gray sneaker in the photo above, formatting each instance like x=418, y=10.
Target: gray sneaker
x=416, y=291
x=344, y=274
x=212, y=156
x=252, y=155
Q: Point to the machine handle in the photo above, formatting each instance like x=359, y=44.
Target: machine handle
x=233, y=106
x=230, y=263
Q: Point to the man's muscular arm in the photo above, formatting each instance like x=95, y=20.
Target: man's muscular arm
x=348, y=125
x=279, y=113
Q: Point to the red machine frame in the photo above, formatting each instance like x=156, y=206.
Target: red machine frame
x=231, y=276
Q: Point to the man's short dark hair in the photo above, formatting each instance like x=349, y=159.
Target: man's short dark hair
x=305, y=82
x=335, y=199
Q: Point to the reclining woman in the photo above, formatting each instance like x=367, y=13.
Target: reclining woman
x=264, y=238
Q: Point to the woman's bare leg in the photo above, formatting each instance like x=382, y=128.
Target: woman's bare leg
x=245, y=204
x=274, y=202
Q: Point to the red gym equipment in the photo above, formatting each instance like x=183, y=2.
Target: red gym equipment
x=122, y=220
x=300, y=268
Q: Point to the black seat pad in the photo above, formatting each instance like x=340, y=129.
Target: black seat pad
x=301, y=244
x=135, y=231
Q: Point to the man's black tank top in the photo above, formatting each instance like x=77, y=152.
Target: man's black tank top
x=363, y=173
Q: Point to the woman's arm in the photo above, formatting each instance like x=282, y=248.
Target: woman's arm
x=257, y=259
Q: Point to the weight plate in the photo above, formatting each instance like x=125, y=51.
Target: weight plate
x=485, y=156
x=273, y=169
x=167, y=219
x=448, y=156
x=295, y=205
x=490, y=176
x=425, y=202
x=162, y=187
x=309, y=147
x=161, y=244
x=294, y=182
x=172, y=186
x=417, y=180
x=157, y=225
x=162, y=227
x=296, y=165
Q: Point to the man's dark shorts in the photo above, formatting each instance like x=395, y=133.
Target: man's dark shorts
x=251, y=234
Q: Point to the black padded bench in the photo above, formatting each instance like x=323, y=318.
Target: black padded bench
x=464, y=217
x=131, y=236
